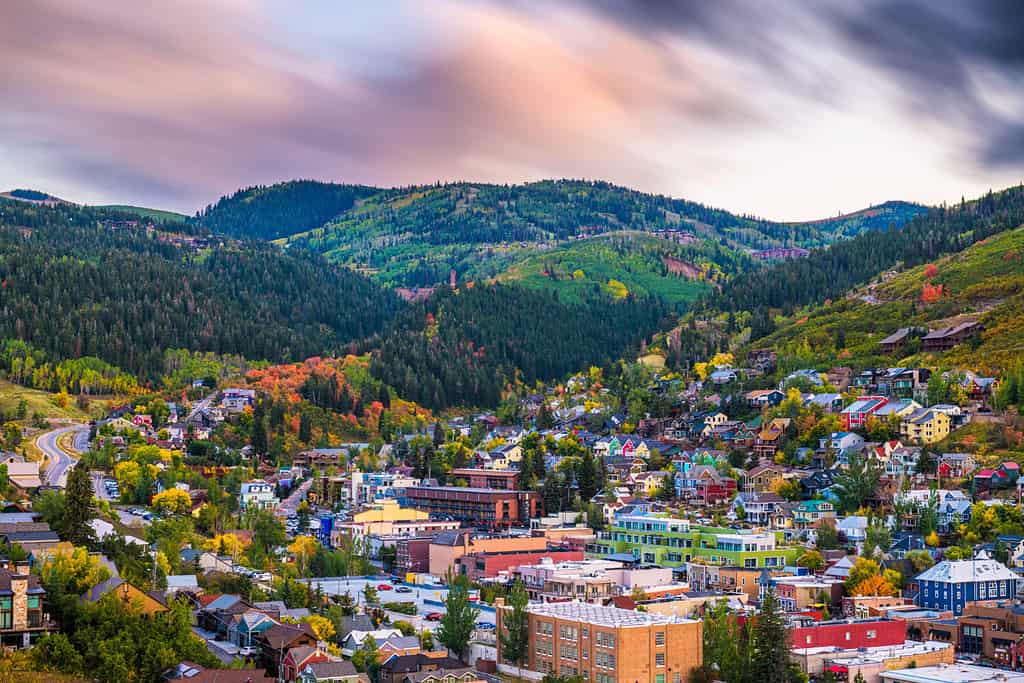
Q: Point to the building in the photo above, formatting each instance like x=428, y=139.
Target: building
x=672, y=542
x=22, y=620
x=505, y=480
x=951, y=585
x=607, y=644
x=448, y=546
x=924, y=426
x=946, y=338
x=855, y=415
x=387, y=518
x=257, y=495
x=487, y=508
x=961, y=673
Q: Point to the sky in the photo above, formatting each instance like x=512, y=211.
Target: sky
x=787, y=110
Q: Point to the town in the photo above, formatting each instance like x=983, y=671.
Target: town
x=557, y=539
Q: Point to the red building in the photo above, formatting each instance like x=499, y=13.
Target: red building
x=849, y=634
x=488, y=565
x=504, y=480
x=477, y=507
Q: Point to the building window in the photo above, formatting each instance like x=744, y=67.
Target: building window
x=6, y=613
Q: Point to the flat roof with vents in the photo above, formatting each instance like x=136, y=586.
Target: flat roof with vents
x=612, y=617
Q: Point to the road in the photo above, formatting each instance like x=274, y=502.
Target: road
x=61, y=461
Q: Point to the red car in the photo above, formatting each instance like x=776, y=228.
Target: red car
x=434, y=616
x=383, y=586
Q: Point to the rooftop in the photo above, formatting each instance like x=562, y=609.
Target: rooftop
x=601, y=616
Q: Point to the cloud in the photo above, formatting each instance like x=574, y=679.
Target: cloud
x=791, y=110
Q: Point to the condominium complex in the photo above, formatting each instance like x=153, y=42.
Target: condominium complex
x=607, y=644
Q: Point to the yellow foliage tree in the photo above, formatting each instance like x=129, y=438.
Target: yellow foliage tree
x=174, y=501
x=226, y=544
x=322, y=626
x=874, y=585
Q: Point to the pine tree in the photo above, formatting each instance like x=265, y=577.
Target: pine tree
x=79, y=509
x=770, y=653
x=259, y=431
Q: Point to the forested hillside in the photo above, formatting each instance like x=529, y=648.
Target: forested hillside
x=463, y=348
x=830, y=272
x=262, y=212
x=74, y=286
x=414, y=237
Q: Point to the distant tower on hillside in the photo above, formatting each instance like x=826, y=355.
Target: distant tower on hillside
x=451, y=278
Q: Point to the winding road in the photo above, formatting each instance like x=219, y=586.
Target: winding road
x=60, y=460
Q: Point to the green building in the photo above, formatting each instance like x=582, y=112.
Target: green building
x=671, y=542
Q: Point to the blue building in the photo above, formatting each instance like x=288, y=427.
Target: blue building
x=950, y=585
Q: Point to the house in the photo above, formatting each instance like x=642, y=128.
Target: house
x=24, y=475
x=257, y=495
x=809, y=513
x=955, y=465
x=300, y=657
x=925, y=426
x=354, y=640
x=119, y=589
x=22, y=597
x=329, y=672
x=761, y=478
x=951, y=585
x=855, y=415
x=764, y=398
x=946, y=338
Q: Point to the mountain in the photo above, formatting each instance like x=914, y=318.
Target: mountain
x=158, y=215
x=465, y=347
x=77, y=282
x=983, y=283
x=629, y=261
x=268, y=212
x=416, y=236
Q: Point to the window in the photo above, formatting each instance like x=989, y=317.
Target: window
x=6, y=613
x=659, y=637
x=659, y=659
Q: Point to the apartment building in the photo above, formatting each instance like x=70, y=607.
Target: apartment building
x=608, y=644
x=672, y=542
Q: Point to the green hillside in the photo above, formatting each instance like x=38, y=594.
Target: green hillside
x=158, y=215
x=643, y=263
x=416, y=236
x=984, y=282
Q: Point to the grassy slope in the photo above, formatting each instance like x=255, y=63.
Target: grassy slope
x=599, y=262
x=984, y=282
x=38, y=402
x=153, y=214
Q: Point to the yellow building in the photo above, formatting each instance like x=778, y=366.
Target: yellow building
x=925, y=426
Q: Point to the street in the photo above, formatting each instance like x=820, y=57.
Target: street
x=61, y=461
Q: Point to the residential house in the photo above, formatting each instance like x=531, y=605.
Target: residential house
x=329, y=672
x=810, y=513
x=257, y=495
x=955, y=465
x=761, y=478
x=119, y=589
x=925, y=426
x=855, y=415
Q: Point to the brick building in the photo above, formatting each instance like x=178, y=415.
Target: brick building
x=608, y=644
x=479, y=507
x=504, y=480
